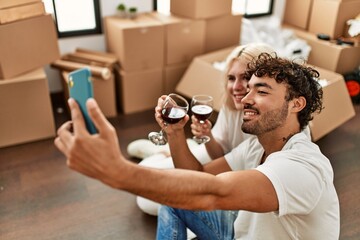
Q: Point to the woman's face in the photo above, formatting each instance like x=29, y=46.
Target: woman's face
x=236, y=83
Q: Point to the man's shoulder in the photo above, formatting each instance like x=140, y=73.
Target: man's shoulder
x=301, y=148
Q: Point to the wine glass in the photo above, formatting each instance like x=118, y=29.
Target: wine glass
x=202, y=108
x=174, y=108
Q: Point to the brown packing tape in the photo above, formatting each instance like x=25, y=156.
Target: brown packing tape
x=101, y=72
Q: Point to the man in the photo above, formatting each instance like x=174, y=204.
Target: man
x=278, y=182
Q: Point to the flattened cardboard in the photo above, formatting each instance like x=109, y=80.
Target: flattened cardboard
x=26, y=111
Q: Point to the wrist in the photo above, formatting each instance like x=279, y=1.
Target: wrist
x=171, y=132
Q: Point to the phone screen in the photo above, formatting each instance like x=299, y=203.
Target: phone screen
x=81, y=88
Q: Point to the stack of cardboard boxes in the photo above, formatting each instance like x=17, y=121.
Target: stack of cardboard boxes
x=307, y=18
x=154, y=49
x=28, y=42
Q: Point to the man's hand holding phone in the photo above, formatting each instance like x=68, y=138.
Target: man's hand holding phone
x=81, y=89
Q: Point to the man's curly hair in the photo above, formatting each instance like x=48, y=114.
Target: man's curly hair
x=300, y=81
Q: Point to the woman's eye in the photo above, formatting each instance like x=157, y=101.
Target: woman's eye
x=230, y=78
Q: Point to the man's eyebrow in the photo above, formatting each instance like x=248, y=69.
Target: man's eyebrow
x=262, y=84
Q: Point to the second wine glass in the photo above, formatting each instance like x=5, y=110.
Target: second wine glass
x=202, y=108
x=173, y=109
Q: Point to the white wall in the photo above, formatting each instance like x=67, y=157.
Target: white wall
x=97, y=42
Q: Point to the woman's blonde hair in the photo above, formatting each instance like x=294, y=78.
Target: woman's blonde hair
x=244, y=52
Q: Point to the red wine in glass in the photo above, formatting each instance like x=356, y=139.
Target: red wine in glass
x=172, y=115
x=174, y=108
x=202, y=107
x=202, y=112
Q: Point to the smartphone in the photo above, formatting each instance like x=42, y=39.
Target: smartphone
x=81, y=88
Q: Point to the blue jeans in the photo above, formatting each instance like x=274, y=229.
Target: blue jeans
x=207, y=225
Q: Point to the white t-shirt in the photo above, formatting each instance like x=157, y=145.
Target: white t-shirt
x=303, y=180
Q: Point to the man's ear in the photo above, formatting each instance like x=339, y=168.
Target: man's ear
x=298, y=104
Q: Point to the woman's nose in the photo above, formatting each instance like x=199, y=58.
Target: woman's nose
x=239, y=85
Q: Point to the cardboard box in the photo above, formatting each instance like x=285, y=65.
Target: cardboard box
x=104, y=93
x=337, y=58
x=297, y=13
x=139, y=90
x=338, y=107
x=173, y=75
x=26, y=45
x=200, y=9
x=137, y=43
x=12, y=14
x=184, y=38
x=13, y=3
x=222, y=32
x=329, y=16
x=26, y=111
x=201, y=77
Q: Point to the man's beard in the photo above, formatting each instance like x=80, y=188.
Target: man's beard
x=267, y=122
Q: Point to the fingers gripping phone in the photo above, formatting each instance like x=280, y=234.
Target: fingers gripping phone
x=81, y=89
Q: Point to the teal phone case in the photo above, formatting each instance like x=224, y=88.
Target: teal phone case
x=81, y=89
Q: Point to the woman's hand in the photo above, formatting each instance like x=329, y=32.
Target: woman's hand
x=200, y=129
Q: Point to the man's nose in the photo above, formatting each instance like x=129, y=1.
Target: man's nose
x=247, y=99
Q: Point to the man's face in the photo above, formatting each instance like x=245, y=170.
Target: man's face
x=265, y=107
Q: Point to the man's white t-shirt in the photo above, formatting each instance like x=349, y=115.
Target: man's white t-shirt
x=303, y=180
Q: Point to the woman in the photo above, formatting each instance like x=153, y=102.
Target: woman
x=226, y=133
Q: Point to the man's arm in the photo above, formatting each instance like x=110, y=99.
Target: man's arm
x=98, y=156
